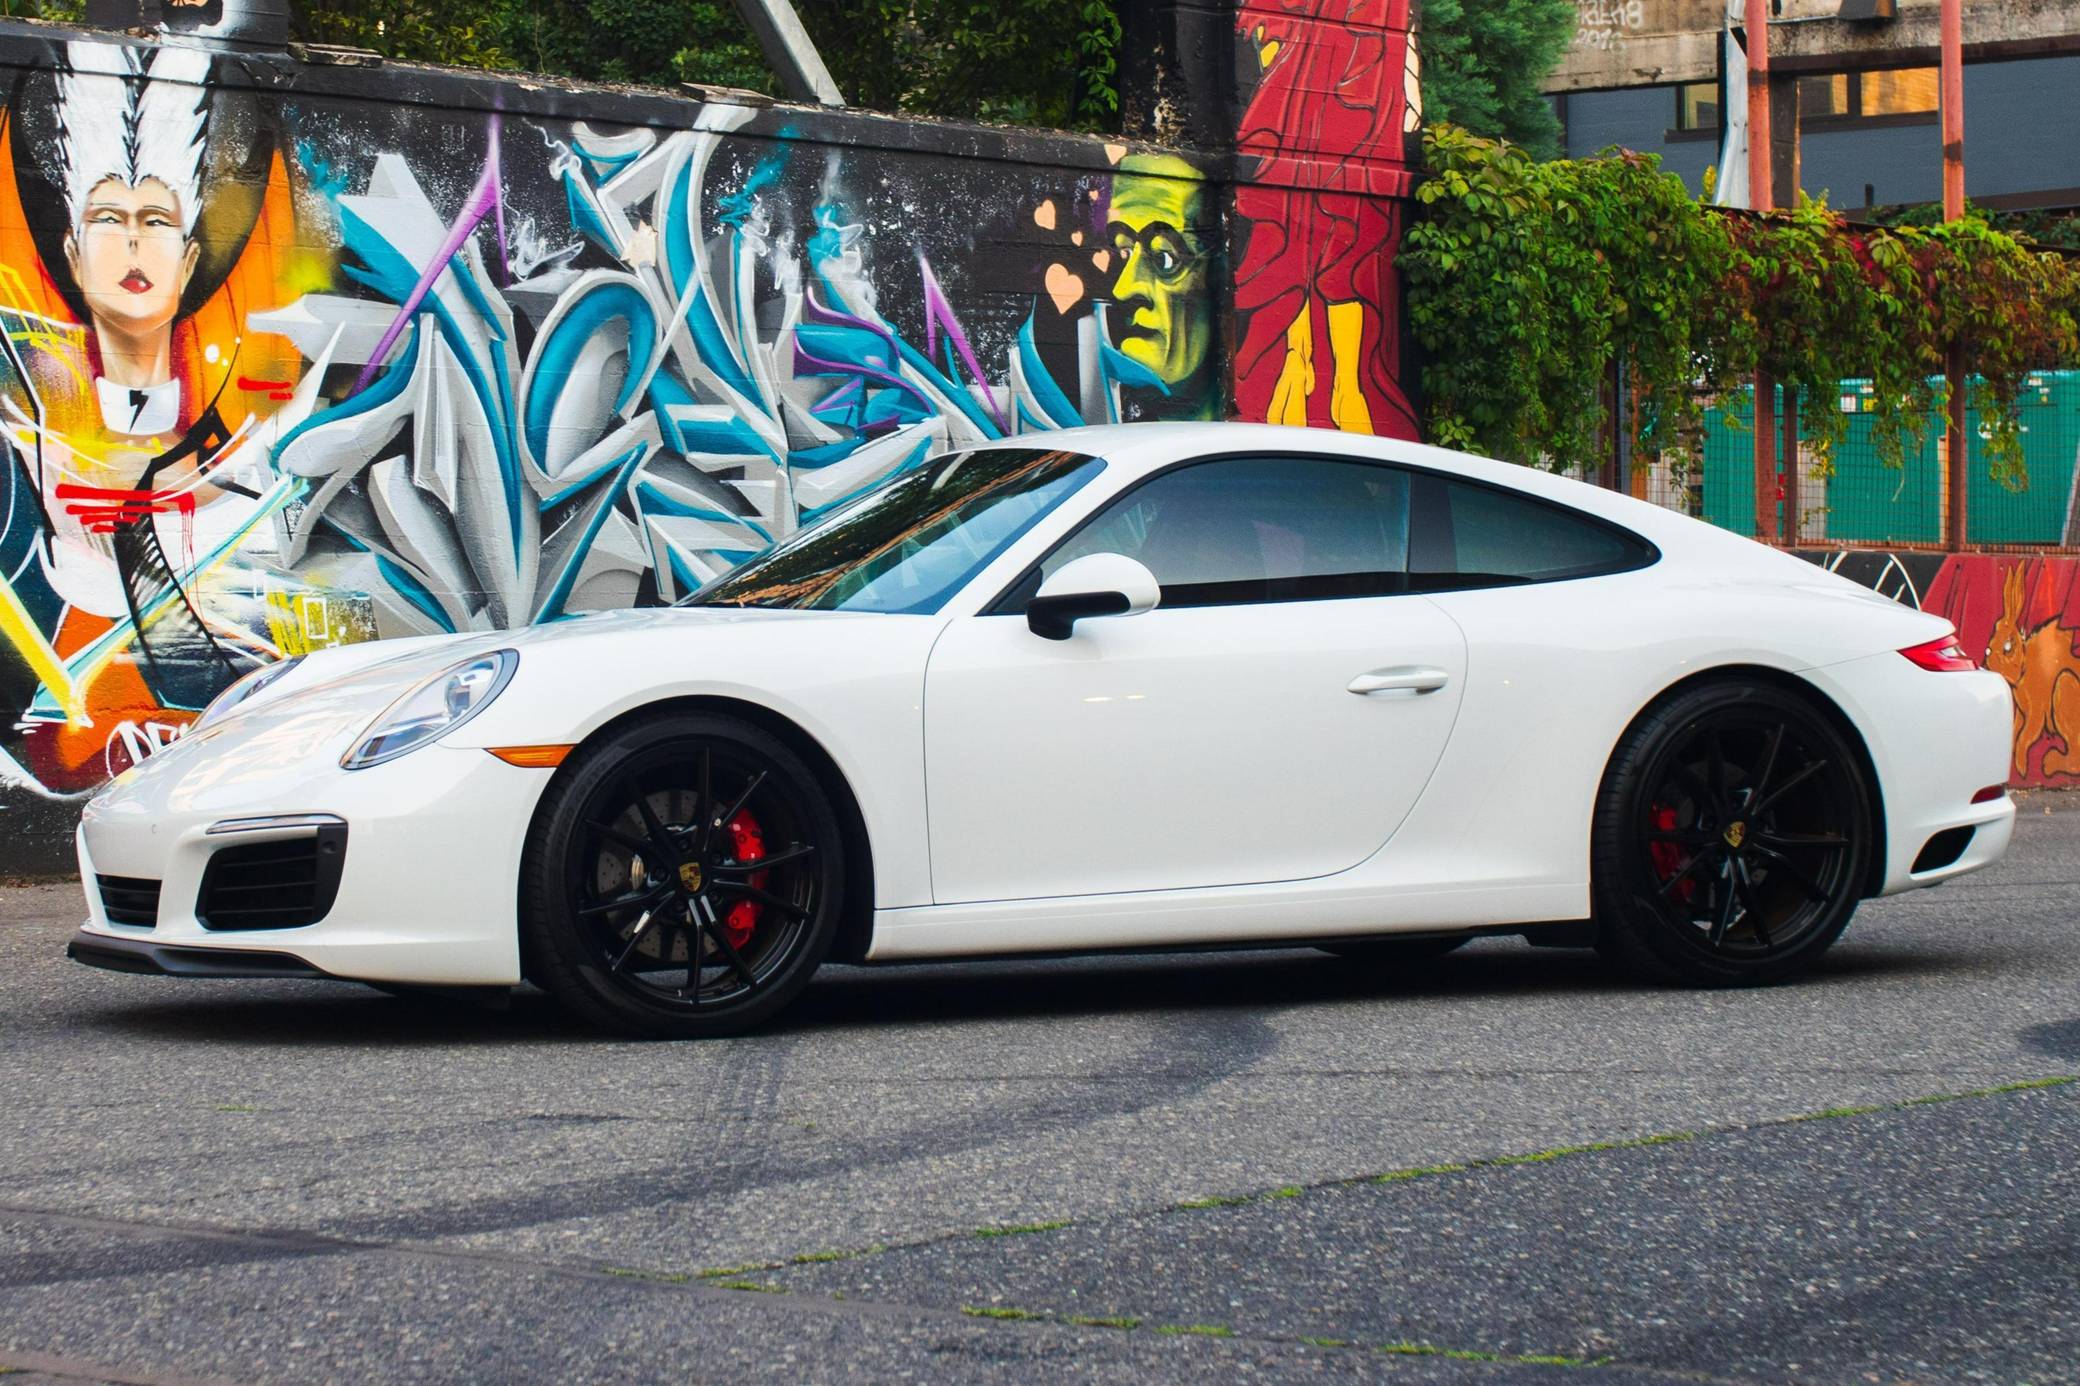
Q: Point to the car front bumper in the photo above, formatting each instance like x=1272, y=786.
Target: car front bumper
x=426, y=888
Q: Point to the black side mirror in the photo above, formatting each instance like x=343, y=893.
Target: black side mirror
x=1055, y=618
x=1097, y=584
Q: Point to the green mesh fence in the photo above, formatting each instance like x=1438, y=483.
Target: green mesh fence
x=1867, y=502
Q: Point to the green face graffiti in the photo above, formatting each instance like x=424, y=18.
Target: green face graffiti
x=1166, y=320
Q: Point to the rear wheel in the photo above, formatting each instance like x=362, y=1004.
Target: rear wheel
x=683, y=878
x=1732, y=838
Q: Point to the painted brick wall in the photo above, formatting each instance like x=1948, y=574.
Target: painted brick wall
x=2019, y=616
x=300, y=355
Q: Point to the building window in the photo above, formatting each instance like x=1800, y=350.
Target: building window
x=1904, y=91
x=1697, y=106
x=1909, y=92
x=1825, y=98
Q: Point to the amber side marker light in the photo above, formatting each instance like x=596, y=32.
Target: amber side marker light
x=532, y=757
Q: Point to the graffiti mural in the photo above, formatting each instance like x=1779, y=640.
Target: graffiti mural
x=282, y=370
x=137, y=417
x=1327, y=134
x=2021, y=618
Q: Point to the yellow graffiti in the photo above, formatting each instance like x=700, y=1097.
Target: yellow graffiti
x=63, y=341
x=95, y=456
x=1267, y=48
x=303, y=622
x=1296, y=377
x=21, y=632
x=1347, y=407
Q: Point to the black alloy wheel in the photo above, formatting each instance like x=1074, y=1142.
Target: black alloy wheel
x=1733, y=838
x=683, y=878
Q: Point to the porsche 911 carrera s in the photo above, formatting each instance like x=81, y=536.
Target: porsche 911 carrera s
x=1140, y=687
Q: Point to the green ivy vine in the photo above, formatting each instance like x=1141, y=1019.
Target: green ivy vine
x=1530, y=281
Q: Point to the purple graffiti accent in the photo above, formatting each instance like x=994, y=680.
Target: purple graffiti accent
x=805, y=360
x=483, y=199
x=817, y=312
x=844, y=397
x=939, y=313
x=498, y=206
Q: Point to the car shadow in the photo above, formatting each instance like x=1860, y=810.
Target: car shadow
x=1120, y=984
x=2059, y=1039
x=339, y=1014
x=296, y=1015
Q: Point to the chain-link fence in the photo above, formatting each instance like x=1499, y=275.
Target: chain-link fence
x=1865, y=502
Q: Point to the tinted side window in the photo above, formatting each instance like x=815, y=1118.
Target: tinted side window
x=1258, y=530
x=1466, y=535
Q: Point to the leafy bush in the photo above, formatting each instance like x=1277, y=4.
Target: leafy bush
x=1039, y=62
x=1529, y=281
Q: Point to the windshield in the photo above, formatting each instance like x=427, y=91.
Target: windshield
x=913, y=543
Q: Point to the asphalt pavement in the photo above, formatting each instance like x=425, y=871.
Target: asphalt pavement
x=1507, y=1165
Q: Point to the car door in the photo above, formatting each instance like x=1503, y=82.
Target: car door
x=1273, y=719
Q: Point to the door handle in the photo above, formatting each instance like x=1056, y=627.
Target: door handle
x=1414, y=680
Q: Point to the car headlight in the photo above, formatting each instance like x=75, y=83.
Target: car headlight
x=432, y=708
x=248, y=687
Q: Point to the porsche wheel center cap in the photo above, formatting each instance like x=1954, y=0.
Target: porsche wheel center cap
x=690, y=876
x=1736, y=833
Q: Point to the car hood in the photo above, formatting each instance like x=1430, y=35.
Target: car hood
x=317, y=710
x=414, y=657
x=396, y=664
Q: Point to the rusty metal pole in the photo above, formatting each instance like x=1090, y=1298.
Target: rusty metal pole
x=1959, y=470
x=1761, y=182
x=1791, y=460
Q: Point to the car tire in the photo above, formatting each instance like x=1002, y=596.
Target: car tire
x=642, y=867
x=1732, y=839
x=1396, y=952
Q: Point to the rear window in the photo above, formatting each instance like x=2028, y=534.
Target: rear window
x=1463, y=534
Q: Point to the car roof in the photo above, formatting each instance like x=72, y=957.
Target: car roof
x=1139, y=448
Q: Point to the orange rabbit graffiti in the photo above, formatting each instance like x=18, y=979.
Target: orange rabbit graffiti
x=2043, y=667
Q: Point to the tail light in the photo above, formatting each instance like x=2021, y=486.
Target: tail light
x=1942, y=656
x=1990, y=794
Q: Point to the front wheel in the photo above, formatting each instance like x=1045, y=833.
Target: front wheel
x=683, y=878
x=1733, y=837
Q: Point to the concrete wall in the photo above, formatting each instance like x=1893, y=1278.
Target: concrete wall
x=1622, y=43
x=1632, y=43
x=298, y=354
x=2022, y=136
x=2021, y=618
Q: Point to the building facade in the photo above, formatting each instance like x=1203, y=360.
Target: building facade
x=1646, y=75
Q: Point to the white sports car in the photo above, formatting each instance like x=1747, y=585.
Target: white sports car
x=1138, y=687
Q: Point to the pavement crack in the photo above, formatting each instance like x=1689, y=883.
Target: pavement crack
x=267, y=1245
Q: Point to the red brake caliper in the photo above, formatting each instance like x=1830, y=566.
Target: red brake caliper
x=747, y=844
x=1668, y=856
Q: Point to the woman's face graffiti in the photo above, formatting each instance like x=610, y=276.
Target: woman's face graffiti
x=130, y=257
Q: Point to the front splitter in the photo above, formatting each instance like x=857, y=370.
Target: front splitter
x=169, y=960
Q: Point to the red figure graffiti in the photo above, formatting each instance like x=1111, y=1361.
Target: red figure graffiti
x=2025, y=615
x=1315, y=291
